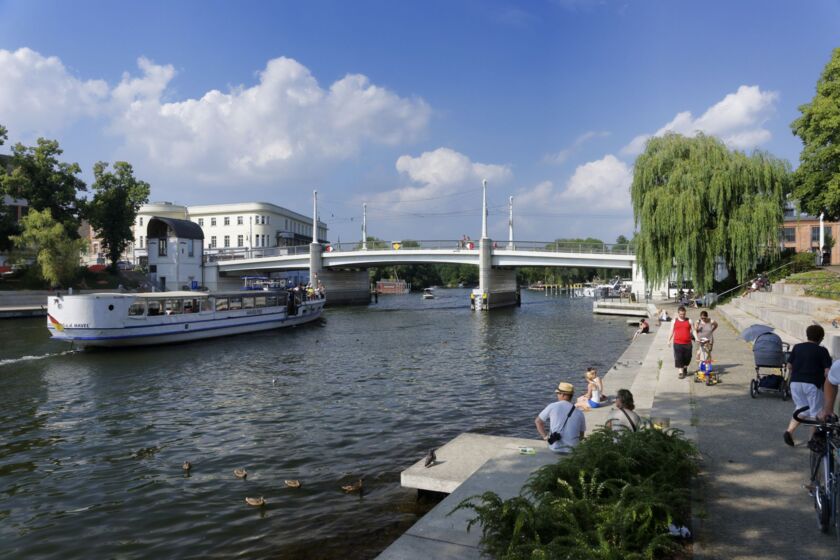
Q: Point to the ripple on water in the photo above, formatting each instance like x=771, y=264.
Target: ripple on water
x=93, y=443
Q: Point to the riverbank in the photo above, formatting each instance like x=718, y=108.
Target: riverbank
x=749, y=503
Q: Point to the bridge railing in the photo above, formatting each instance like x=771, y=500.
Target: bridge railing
x=467, y=245
x=235, y=253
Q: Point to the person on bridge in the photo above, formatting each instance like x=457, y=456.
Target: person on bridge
x=681, y=338
x=567, y=423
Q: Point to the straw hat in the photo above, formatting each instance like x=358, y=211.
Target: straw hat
x=566, y=388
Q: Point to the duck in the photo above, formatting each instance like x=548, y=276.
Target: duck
x=353, y=488
x=431, y=459
x=186, y=466
x=292, y=483
x=240, y=473
x=256, y=502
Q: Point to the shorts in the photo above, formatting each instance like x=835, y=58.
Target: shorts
x=682, y=355
x=594, y=404
x=807, y=394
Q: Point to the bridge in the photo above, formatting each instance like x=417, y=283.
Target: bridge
x=336, y=263
x=343, y=267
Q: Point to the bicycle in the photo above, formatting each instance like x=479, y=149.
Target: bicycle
x=824, y=470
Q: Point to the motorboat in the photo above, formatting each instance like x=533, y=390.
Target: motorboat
x=428, y=293
x=151, y=318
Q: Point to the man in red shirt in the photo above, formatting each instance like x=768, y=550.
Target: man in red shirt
x=681, y=337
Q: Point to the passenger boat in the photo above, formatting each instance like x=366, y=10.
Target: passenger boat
x=140, y=319
x=428, y=293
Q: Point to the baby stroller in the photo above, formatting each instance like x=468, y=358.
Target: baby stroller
x=705, y=370
x=770, y=355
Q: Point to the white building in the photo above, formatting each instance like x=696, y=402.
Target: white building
x=175, y=253
x=232, y=227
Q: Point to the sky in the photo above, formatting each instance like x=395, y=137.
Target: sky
x=407, y=106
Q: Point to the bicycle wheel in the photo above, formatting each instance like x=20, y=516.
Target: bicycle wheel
x=820, y=477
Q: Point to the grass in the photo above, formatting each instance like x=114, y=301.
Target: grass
x=818, y=283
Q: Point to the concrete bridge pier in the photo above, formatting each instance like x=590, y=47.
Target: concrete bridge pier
x=497, y=287
x=343, y=286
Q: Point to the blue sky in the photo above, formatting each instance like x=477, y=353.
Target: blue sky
x=408, y=105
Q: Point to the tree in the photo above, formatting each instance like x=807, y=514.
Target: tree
x=57, y=253
x=817, y=180
x=8, y=225
x=694, y=201
x=46, y=183
x=117, y=198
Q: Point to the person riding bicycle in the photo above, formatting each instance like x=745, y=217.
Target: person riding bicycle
x=808, y=365
x=832, y=380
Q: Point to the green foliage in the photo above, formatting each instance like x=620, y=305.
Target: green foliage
x=117, y=199
x=817, y=179
x=612, y=498
x=802, y=262
x=57, y=253
x=46, y=183
x=694, y=200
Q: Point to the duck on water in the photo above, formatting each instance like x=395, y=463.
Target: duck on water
x=114, y=320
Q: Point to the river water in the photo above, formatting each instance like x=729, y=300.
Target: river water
x=92, y=443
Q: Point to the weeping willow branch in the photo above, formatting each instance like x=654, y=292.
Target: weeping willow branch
x=695, y=200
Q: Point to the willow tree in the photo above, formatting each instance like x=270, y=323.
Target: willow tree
x=694, y=200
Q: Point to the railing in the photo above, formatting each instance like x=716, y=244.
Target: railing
x=472, y=245
x=230, y=253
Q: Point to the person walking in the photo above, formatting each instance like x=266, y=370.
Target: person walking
x=566, y=423
x=624, y=417
x=705, y=328
x=681, y=338
x=808, y=366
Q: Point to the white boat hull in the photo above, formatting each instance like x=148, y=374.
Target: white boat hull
x=169, y=329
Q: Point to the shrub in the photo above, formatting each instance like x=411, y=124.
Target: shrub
x=612, y=498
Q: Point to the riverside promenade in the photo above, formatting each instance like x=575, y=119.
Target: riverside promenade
x=749, y=501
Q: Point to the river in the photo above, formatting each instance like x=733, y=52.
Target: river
x=92, y=443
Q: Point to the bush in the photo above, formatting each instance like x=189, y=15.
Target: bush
x=612, y=498
x=802, y=262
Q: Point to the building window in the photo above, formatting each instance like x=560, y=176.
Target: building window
x=227, y=220
x=162, y=247
x=141, y=220
x=212, y=241
x=239, y=220
x=141, y=241
x=789, y=235
x=201, y=222
x=227, y=240
x=268, y=220
x=815, y=234
x=190, y=248
x=240, y=240
x=213, y=222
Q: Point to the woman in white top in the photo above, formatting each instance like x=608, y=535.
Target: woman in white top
x=594, y=396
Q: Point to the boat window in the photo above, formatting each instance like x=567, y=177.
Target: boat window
x=247, y=303
x=174, y=306
x=259, y=301
x=236, y=303
x=192, y=305
x=222, y=304
x=205, y=304
x=271, y=301
x=155, y=307
x=137, y=309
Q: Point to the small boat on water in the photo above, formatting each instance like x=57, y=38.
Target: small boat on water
x=428, y=293
x=140, y=319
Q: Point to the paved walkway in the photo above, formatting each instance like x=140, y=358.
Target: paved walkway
x=752, y=502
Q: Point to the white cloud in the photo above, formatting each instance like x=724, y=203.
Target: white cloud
x=564, y=154
x=283, y=123
x=737, y=119
x=438, y=175
x=38, y=95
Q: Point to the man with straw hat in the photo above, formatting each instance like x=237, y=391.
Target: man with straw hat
x=567, y=423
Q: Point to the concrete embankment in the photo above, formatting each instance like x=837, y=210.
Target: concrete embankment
x=30, y=303
x=749, y=499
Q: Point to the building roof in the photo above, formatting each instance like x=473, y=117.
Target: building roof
x=182, y=228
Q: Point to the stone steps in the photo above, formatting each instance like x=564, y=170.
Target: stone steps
x=822, y=310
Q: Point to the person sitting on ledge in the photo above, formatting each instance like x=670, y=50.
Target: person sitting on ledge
x=567, y=424
x=644, y=328
x=594, y=396
x=623, y=416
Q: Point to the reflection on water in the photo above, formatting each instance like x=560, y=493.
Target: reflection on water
x=91, y=443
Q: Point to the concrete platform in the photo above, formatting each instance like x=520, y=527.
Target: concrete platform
x=460, y=458
x=18, y=311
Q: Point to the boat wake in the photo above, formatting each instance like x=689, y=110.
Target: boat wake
x=10, y=361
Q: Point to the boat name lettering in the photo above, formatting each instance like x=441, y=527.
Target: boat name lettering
x=77, y=325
